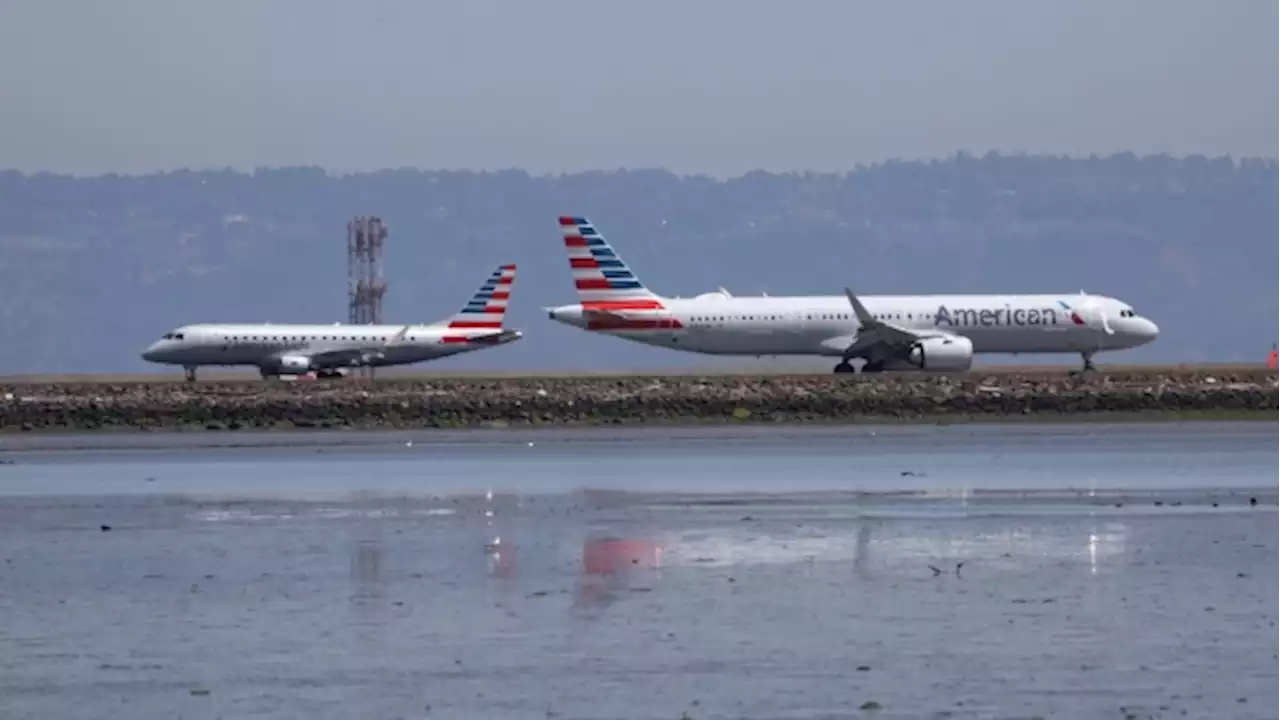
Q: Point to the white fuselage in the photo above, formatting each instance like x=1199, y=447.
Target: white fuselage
x=719, y=324
x=262, y=345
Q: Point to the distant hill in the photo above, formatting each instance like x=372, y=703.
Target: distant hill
x=93, y=269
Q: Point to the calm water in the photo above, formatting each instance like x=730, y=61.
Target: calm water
x=1107, y=570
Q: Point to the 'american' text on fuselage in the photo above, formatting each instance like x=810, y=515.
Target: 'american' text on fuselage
x=994, y=317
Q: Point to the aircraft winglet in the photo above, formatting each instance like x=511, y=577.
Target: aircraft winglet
x=399, y=337
x=872, y=330
x=865, y=319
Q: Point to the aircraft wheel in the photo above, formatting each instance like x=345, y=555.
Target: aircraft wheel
x=844, y=367
x=873, y=367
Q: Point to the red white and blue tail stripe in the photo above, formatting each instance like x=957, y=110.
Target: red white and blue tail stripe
x=612, y=297
x=603, y=280
x=489, y=305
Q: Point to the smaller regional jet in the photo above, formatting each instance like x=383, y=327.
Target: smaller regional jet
x=328, y=349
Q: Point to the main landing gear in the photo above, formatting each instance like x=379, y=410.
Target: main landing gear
x=190, y=372
x=870, y=367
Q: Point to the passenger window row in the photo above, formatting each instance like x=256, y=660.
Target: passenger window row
x=820, y=316
x=283, y=338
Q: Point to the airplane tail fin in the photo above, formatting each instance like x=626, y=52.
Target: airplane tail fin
x=489, y=305
x=603, y=280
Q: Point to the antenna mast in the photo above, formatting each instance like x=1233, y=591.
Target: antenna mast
x=365, y=282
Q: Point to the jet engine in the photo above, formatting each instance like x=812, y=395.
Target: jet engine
x=936, y=354
x=290, y=364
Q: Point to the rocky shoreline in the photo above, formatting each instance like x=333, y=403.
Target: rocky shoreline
x=562, y=401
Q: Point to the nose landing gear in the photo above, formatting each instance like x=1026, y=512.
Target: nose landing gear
x=190, y=371
x=1088, y=361
x=1089, y=368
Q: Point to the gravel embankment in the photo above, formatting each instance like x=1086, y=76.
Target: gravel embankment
x=472, y=402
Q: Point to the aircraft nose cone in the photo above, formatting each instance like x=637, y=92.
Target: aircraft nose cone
x=1144, y=331
x=154, y=353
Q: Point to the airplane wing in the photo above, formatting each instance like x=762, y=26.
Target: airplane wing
x=345, y=357
x=876, y=339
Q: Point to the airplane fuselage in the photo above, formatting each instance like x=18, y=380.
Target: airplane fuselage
x=264, y=343
x=887, y=332
x=825, y=325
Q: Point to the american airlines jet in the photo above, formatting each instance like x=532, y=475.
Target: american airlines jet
x=326, y=349
x=938, y=333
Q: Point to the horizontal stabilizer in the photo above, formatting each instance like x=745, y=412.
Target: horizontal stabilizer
x=488, y=338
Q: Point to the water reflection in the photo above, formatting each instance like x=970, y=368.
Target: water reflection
x=888, y=545
x=861, y=549
x=500, y=553
x=390, y=605
x=367, y=576
x=609, y=564
x=499, y=513
x=366, y=568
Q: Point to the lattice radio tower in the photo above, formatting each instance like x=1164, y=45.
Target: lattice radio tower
x=365, y=283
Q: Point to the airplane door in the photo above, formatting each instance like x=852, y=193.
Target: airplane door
x=1094, y=319
x=786, y=332
x=674, y=329
x=796, y=320
x=700, y=331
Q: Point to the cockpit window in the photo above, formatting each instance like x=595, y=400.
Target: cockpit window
x=1128, y=313
x=173, y=336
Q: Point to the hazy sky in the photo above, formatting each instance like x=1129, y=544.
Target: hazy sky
x=90, y=86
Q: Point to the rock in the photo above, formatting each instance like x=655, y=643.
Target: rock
x=476, y=402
